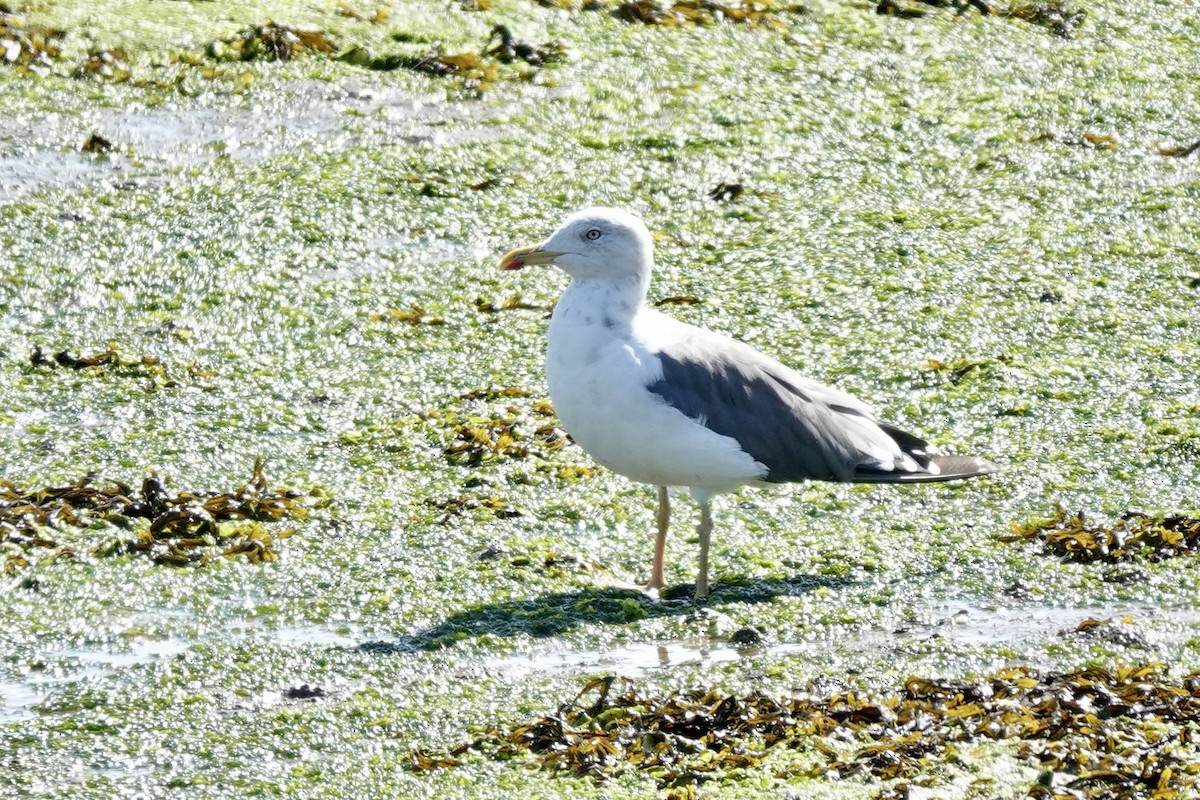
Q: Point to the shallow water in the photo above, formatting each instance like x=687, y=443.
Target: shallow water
x=955, y=626
x=62, y=669
x=151, y=142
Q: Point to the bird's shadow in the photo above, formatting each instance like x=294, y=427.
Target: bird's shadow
x=553, y=614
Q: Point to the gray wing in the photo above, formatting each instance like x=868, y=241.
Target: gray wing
x=798, y=428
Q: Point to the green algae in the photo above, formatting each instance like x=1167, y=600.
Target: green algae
x=252, y=229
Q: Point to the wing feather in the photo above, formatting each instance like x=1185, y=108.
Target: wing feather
x=798, y=428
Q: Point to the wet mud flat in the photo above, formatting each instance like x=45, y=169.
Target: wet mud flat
x=249, y=235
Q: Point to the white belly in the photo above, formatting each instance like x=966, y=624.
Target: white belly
x=597, y=381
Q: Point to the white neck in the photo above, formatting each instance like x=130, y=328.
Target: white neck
x=608, y=301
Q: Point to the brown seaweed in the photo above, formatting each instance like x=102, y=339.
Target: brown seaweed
x=185, y=528
x=1131, y=537
x=271, y=42
x=1120, y=733
x=703, y=12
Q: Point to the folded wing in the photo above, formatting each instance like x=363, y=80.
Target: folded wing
x=797, y=428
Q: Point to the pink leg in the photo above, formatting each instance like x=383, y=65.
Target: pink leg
x=663, y=517
x=704, y=530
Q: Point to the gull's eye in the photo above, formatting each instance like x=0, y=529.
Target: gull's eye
x=593, y=234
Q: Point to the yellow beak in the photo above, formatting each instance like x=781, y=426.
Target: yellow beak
x=528, y=256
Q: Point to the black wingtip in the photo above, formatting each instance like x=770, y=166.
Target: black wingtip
x=932, y=466
x=936, y=469
x=952, y=468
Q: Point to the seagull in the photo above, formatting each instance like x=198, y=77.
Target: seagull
x=674, y=405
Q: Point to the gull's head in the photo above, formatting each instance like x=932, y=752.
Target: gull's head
x=592, y=243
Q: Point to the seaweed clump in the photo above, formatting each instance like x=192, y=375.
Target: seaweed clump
x=1179, y=151
x=31, y=48
x=413, y=315
x=682, y=13
x=508, y=48
x=271, y=42
x=1124, y=733
x=894, y=9
x=109, y=64
x=484, y=436
x=1132, y=536
x=476, y=70
x=461, y=504
x=110, y=360
x=1049, y=14
x=185, y=528
x=511, y=303
x=469, y=66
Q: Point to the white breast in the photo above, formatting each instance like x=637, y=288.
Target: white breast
x=598, y=366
